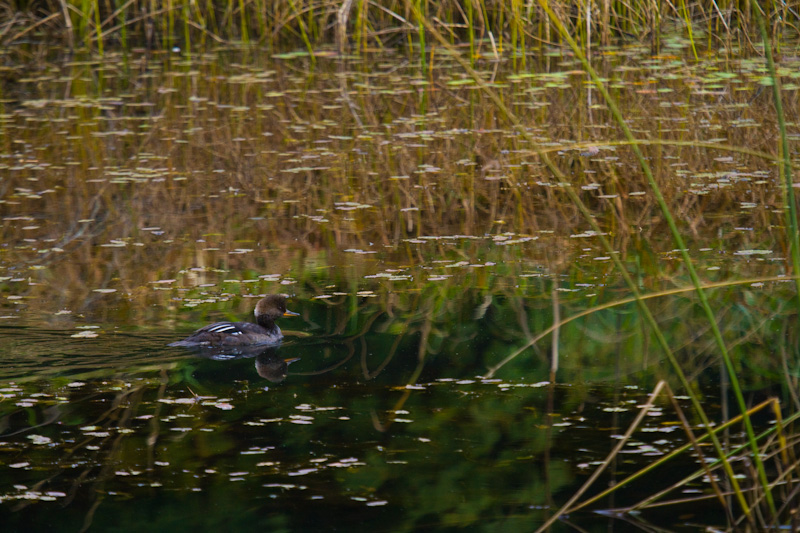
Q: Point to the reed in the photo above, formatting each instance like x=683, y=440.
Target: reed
x=687, y=18
x=679, y=241
x=303, y=32
x=420, y=13
x=471, y=32
x=793, y=235
x=775, y=433
x=286, y=24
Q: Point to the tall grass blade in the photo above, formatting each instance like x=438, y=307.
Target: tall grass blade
x=303, y=32
x=614, y=452
x=471, y=32
x=590, y=219
x=786, y=169
x=421, y=34
x=83, y=23
x=672, y=455
x=688, y=20
x=245, y=35
x=169, y=32
x=187, y=40
x=123, y=30
x=98, y=27
x=688, y=263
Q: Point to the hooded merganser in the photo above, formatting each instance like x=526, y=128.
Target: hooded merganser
x=264, y=331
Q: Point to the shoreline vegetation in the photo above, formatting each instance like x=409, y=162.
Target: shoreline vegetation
x=490, y=28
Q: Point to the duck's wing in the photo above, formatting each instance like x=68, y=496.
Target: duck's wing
x=225, y=328
x=220, y=333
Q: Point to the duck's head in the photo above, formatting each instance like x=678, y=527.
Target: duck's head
x=272, y=307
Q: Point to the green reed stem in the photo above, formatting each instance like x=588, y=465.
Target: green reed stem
x=360, y=29
x=676, y=452
x=303, y=32
x=419, y=12
x=687, y=260
x=786, y=169
x=624, y=301
x=83, y=29
x=515, y=24
x=592, y=222
x=97, y=25
x=733, y=453
x=471, y=32
x=170, y=26
x=211, y=18
x=228, y=16
x=522, y=47
x=187, y=41
x=688, y=19
x=515, y=16
x=262, y=18
x=123, y=30
x=243, y=23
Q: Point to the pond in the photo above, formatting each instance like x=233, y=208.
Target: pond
x=429, y=253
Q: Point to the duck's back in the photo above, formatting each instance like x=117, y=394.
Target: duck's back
x=231, y=334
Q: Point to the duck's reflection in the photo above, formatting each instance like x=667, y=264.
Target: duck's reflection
x=272, y=367
x=269, y=364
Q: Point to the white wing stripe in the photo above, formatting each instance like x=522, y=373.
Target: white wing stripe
x=222, y=328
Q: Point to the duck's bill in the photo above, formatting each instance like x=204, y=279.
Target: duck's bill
x=290, y=313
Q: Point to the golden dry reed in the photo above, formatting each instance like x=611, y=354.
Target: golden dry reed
x=488, y=27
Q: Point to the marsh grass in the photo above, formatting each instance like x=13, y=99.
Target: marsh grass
x=702, y=296
x=778, y=445
x=756, y=453
x=343, y=174
x=489, y=26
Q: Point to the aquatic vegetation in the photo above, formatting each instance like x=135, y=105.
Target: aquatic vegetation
x=490, y=28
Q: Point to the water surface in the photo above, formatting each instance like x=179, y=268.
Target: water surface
x=422, y=242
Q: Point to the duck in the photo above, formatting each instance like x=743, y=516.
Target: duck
x=263, y=331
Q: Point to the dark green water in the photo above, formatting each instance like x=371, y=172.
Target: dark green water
x=362, y=433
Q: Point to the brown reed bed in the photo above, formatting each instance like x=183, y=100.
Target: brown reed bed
x=246, y=169
x=487, y=27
